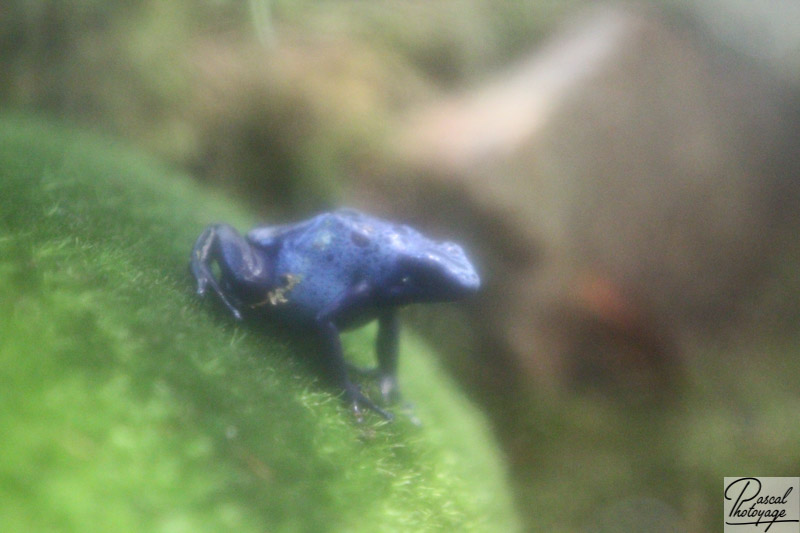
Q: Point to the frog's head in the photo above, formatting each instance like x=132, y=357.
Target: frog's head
x=434, y=272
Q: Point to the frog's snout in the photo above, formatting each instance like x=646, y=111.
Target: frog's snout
x=460, y=266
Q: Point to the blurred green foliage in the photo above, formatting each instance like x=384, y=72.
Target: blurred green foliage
x=256, y=95
x=579, y=460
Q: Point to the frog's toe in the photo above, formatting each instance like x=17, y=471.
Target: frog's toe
x=407, y=409
x=359, y=401
x=236, y=313
x=201, y=287
x=230, y=303
x=389, y=389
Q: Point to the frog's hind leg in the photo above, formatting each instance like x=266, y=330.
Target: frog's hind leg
x=241, y=267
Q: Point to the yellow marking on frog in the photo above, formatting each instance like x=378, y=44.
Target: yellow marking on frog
x=277, y=296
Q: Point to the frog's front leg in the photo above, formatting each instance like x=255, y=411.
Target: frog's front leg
x=243, y=269
x=335, y=360
x=386, y=347
x=329, y=333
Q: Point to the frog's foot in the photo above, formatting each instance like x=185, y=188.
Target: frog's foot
x=407, y=410
x=387, y=383
x=389, y=389
x=228, y=301
x=358, y=401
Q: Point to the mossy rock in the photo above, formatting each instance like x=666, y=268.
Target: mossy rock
x=130, y=405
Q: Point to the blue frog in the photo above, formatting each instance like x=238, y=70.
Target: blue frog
x=335, y=271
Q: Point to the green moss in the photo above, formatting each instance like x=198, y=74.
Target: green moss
x=129, y=405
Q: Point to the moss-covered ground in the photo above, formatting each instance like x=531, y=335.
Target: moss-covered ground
x=126, y=404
